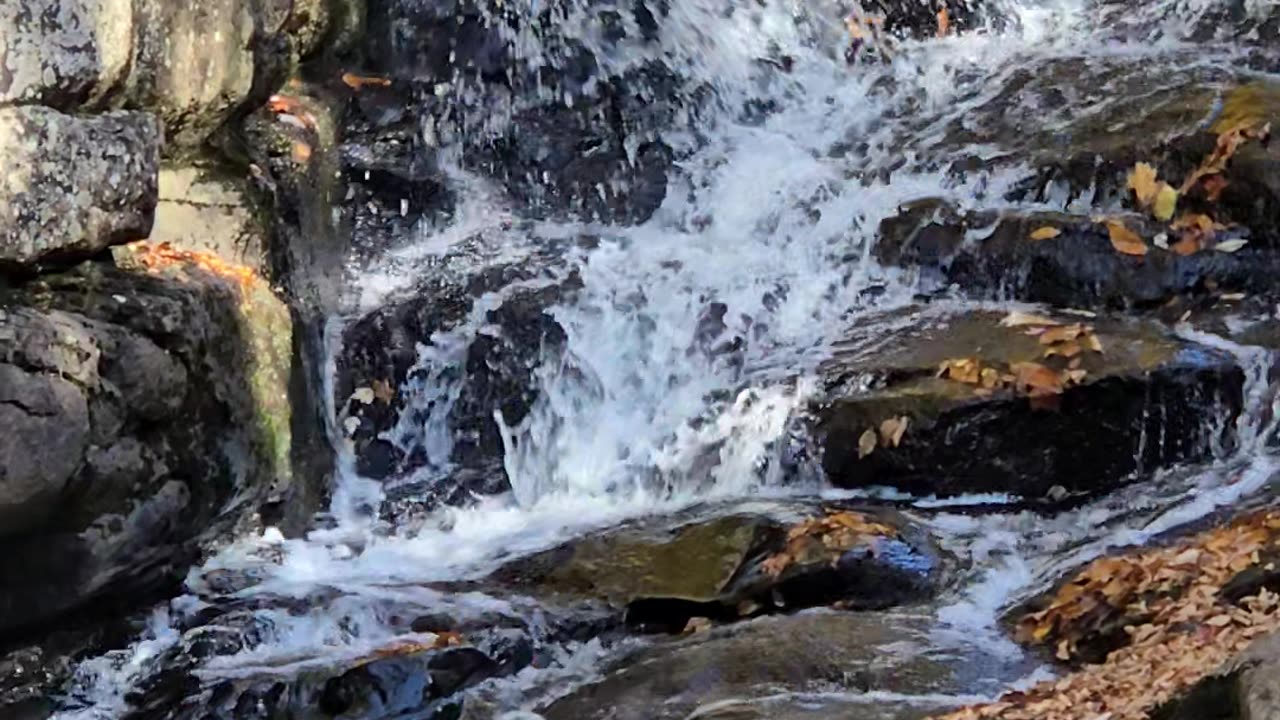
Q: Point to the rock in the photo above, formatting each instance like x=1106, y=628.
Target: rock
x=202, y=209
x=768, y=668
x=137, y=405
x=736, y=565
x=194, y=66
x=75, y=185
x=47, y=431
x=63, y=53
x=992, y=255
x=962, y=439
x=490, y=370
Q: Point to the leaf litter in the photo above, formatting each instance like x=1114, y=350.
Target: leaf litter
x=1165, y=606
x=827, y=537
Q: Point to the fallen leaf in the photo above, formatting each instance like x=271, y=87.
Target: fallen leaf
x=1021, y=319
x=1166, y=203
x=301, y=152
x=1037, y=380
x=1048, y=232
x=990, y=378
x=965, y=370
x=356, y=82
x=1230, y=246
x=1142, y=181
x=1062, y=334
x=1124, y=240
x=364, y=395
x=1067, y=349
x=1229, y=141
x=867, y=443
x=1186, y=246
x=1213, y=186
x=1092, y=342
x=696, y=625
x=383, y=391
x=892, y=430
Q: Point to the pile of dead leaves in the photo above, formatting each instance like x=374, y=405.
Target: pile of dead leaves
x=1067, y=342
x=163, y=258
x=826, y=538
x=1177, y=628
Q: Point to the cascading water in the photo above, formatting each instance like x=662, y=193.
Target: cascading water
x=692, y=341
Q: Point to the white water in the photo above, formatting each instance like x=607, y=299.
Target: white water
x=610, y=437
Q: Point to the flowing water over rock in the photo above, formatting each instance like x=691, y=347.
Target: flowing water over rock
x=631, y=283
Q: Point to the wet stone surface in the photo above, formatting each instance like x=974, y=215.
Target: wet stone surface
x=1148, y=400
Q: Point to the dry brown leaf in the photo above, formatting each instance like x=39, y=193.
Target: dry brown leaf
x=892, y=430
x=965, y=370
x=356, y=82
x=1186, y=246
x=696, y=625
x=1063, y=333
x=383, y=391
x=1067, y=349
x=1124, y=240
x=1229, y=141
x=1213, y=185
x=1021, y=319
x=1048, y=232
x=1037, y=380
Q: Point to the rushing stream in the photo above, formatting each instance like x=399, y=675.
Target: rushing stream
x=653, y=407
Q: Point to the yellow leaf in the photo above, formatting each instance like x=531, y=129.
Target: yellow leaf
x=1124, y=240
x=1166, y=203
x=1048, y=232
x=1142, y=181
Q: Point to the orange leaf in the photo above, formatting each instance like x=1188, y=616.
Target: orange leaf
x=356, y=82
x=1124, y=240
x=1047, y=232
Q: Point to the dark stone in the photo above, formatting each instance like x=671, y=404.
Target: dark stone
x=1142, y=406
x=1078, y=268
x=666, y=572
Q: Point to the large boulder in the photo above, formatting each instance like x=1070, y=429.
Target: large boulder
x=786, y=667
x=745, y=562
x=1011, y=415
x=137, y=405
x=74, y=185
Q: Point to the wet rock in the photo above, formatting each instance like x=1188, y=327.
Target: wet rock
x=1142, y=404
x=1237, y=21
x=992, y=255
x=76, y=184
x=751, y=670
x=736, y=565
x=492, y=370
x=138, y=406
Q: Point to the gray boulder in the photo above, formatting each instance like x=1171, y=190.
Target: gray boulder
x=74, y=185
